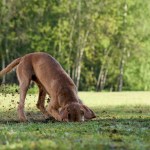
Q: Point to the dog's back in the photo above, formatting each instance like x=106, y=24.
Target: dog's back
x=47, y=70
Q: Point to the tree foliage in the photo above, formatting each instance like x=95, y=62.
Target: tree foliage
x=102, y=44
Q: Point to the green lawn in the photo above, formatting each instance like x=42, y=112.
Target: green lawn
x=123, y=122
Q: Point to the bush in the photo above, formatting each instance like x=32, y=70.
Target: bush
x=13, y=89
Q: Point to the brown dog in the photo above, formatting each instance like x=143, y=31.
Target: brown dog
x=53, y=80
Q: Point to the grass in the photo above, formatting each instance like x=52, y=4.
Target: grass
x=123, y=122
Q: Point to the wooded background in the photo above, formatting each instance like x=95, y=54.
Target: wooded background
x=102, y=44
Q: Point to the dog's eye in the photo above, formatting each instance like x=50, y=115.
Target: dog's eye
x=82, y=112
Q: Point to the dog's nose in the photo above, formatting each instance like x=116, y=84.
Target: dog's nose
x=65, y=120
x=82, y=119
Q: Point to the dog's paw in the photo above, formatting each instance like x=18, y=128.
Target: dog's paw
x=47, y=116
x=59, y=118
x=23, y=120
x=65, y=120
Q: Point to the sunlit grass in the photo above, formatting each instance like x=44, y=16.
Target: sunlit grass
x=97, y=99
x=123, y=122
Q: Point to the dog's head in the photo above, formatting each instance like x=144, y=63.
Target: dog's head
x=76, y=112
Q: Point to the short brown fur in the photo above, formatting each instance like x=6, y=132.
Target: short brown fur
x=52, y=80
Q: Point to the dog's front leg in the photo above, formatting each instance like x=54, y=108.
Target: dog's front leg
x=54, y=112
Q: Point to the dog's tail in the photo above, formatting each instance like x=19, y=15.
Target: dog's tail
x=10, y=66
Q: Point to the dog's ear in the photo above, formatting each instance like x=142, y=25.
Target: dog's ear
x=64, y=113
x=88, y=113
x=80, y=101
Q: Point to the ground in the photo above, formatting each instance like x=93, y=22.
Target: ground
x=123, y=122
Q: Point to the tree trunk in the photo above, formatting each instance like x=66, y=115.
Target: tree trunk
x=72, y=22
x=81, y=35
x=120, y=78
x=122, y=61
x=101, y=79
x=81, y=46
x=78, y=68
x=103, y=71
x=3, y=66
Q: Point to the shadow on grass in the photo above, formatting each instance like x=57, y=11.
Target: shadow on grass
x=16, y=121
x=105, y=116
x=103, y=122
x=10, y=117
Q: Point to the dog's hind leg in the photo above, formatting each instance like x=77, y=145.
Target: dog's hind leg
x=23, y=91
x=24, y=77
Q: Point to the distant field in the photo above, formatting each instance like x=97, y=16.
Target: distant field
x=115, y=98
x=123, y=122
